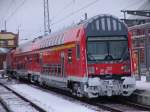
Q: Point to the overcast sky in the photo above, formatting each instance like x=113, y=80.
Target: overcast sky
x=27, y=15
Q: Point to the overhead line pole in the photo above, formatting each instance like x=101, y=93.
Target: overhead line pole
x=5, y=26
x=47, y=29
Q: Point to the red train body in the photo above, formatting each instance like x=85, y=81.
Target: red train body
x=92, y=59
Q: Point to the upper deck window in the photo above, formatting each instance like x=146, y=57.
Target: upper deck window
x=120, y=26
x=108, y=24
x=105, y=26
x=97, y=25
x=114, y=25
x=103, y=23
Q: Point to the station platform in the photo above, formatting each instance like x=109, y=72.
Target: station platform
x=142, y=93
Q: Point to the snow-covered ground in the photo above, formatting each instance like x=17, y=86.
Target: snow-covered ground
x=142, y=84
x=50, y=101
x=2, y=109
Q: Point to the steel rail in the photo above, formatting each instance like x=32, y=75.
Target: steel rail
x=23, y=98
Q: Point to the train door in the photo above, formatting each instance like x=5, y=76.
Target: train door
x=63, y=64
x=69, y=62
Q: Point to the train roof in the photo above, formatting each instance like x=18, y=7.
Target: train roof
x=100, y=25
x=104, y=25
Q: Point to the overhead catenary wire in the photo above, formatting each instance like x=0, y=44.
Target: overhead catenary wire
x=132, y=4
x=14, y=12
x=74, y=12
x=64, y=8
x=62, y=19
x=9, y=7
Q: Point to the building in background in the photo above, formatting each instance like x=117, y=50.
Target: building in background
x=141, y=45
x=8, y=41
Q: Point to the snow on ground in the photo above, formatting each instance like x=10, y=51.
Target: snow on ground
x=2, y=109
x=50, y=102
x=142, y=84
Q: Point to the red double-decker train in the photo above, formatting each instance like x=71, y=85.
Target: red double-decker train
x=91, y=58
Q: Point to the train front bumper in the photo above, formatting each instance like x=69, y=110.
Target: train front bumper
x=110, y=87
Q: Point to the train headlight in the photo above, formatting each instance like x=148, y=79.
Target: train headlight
x=91, y=70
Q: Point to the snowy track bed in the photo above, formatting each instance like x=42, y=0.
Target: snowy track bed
x=50, y=101
x=15, y=102
x=2, y=109
x=54, y=102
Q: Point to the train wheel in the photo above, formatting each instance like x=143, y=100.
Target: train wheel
x=77, y=91
x=29, y=78
x=17, y=77
x=43, y=84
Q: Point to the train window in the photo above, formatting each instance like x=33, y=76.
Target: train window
x=40, y=58
x=51, y=42
x=59, y=70
x=70, y=56
x=56, y=67
x=54, y=42
x=97, y=25
x=53, y=69
x=57, y=40
x=92, y=25
x=78, y=51
x=108, y=24
x=78, y=33
x=114, y=25
x=103, y=23
x=120, y=26
x=62, y=39
x=30, y=59
x=37, y=58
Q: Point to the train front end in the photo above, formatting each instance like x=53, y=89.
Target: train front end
x=108, y=52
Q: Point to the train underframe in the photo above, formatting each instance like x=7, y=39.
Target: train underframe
x=110, y=87
x=84, y=87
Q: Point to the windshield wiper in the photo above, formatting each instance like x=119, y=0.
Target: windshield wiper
x=108, y=57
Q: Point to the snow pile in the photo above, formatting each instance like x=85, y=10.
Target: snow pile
x=142, y=84
x=48, y=101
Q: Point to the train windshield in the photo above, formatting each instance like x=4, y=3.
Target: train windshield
x=107, y=49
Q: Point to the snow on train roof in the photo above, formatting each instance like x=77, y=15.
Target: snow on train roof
x=103, y=24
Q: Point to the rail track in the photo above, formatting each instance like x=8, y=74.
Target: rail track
x=15, y=102
x=113, y=104
x=116, y=104
x=2, y=108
